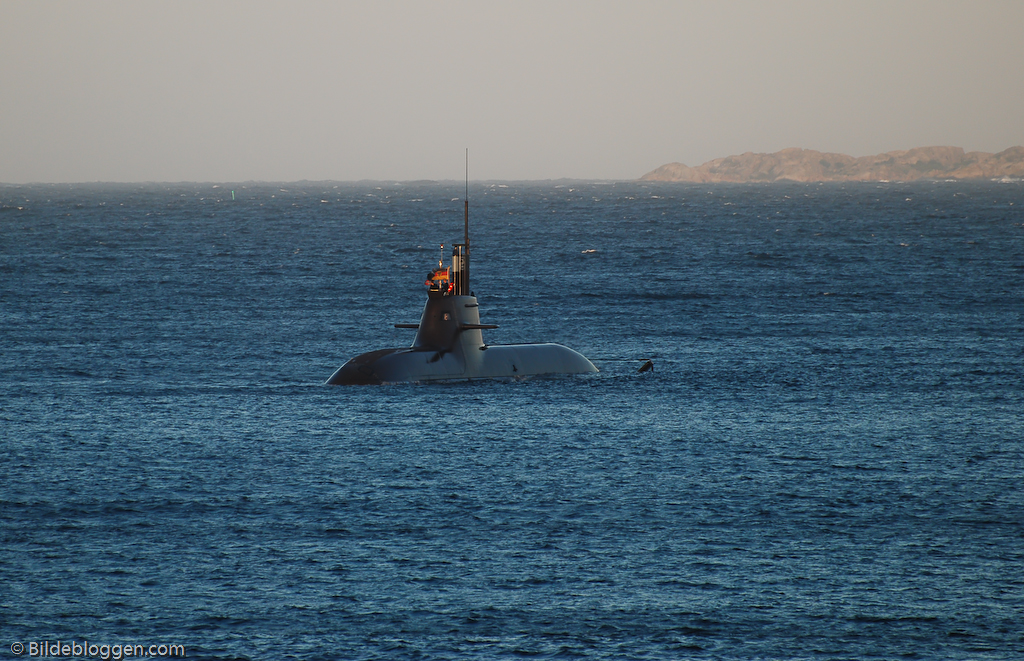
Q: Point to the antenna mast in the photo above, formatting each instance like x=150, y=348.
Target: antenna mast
x=466, y=258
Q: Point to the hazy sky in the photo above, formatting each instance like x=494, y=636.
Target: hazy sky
x=280, y=91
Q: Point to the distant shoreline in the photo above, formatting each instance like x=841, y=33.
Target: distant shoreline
x=788, y=165
x=808, y=165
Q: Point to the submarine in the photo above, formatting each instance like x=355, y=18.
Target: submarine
x=449, y=344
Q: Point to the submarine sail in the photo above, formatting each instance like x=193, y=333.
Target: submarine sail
x=449, y=342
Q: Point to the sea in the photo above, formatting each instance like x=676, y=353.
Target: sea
x=826, y=462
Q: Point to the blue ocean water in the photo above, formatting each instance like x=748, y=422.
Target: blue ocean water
x=826, y=461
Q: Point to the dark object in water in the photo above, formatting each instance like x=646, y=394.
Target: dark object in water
x=646, y=367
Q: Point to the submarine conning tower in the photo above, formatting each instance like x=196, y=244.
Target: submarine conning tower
x=451, y=314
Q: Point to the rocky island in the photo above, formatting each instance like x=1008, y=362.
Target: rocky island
x=809, y=165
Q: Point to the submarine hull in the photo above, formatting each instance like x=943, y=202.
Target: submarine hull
x=449, y=346
x=480, y=362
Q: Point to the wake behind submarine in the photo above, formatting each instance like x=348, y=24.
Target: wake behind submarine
x=449, y=342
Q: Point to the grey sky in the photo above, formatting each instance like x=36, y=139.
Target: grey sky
x=280, y=91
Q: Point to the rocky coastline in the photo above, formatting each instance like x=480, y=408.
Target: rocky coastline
x=808, y=165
